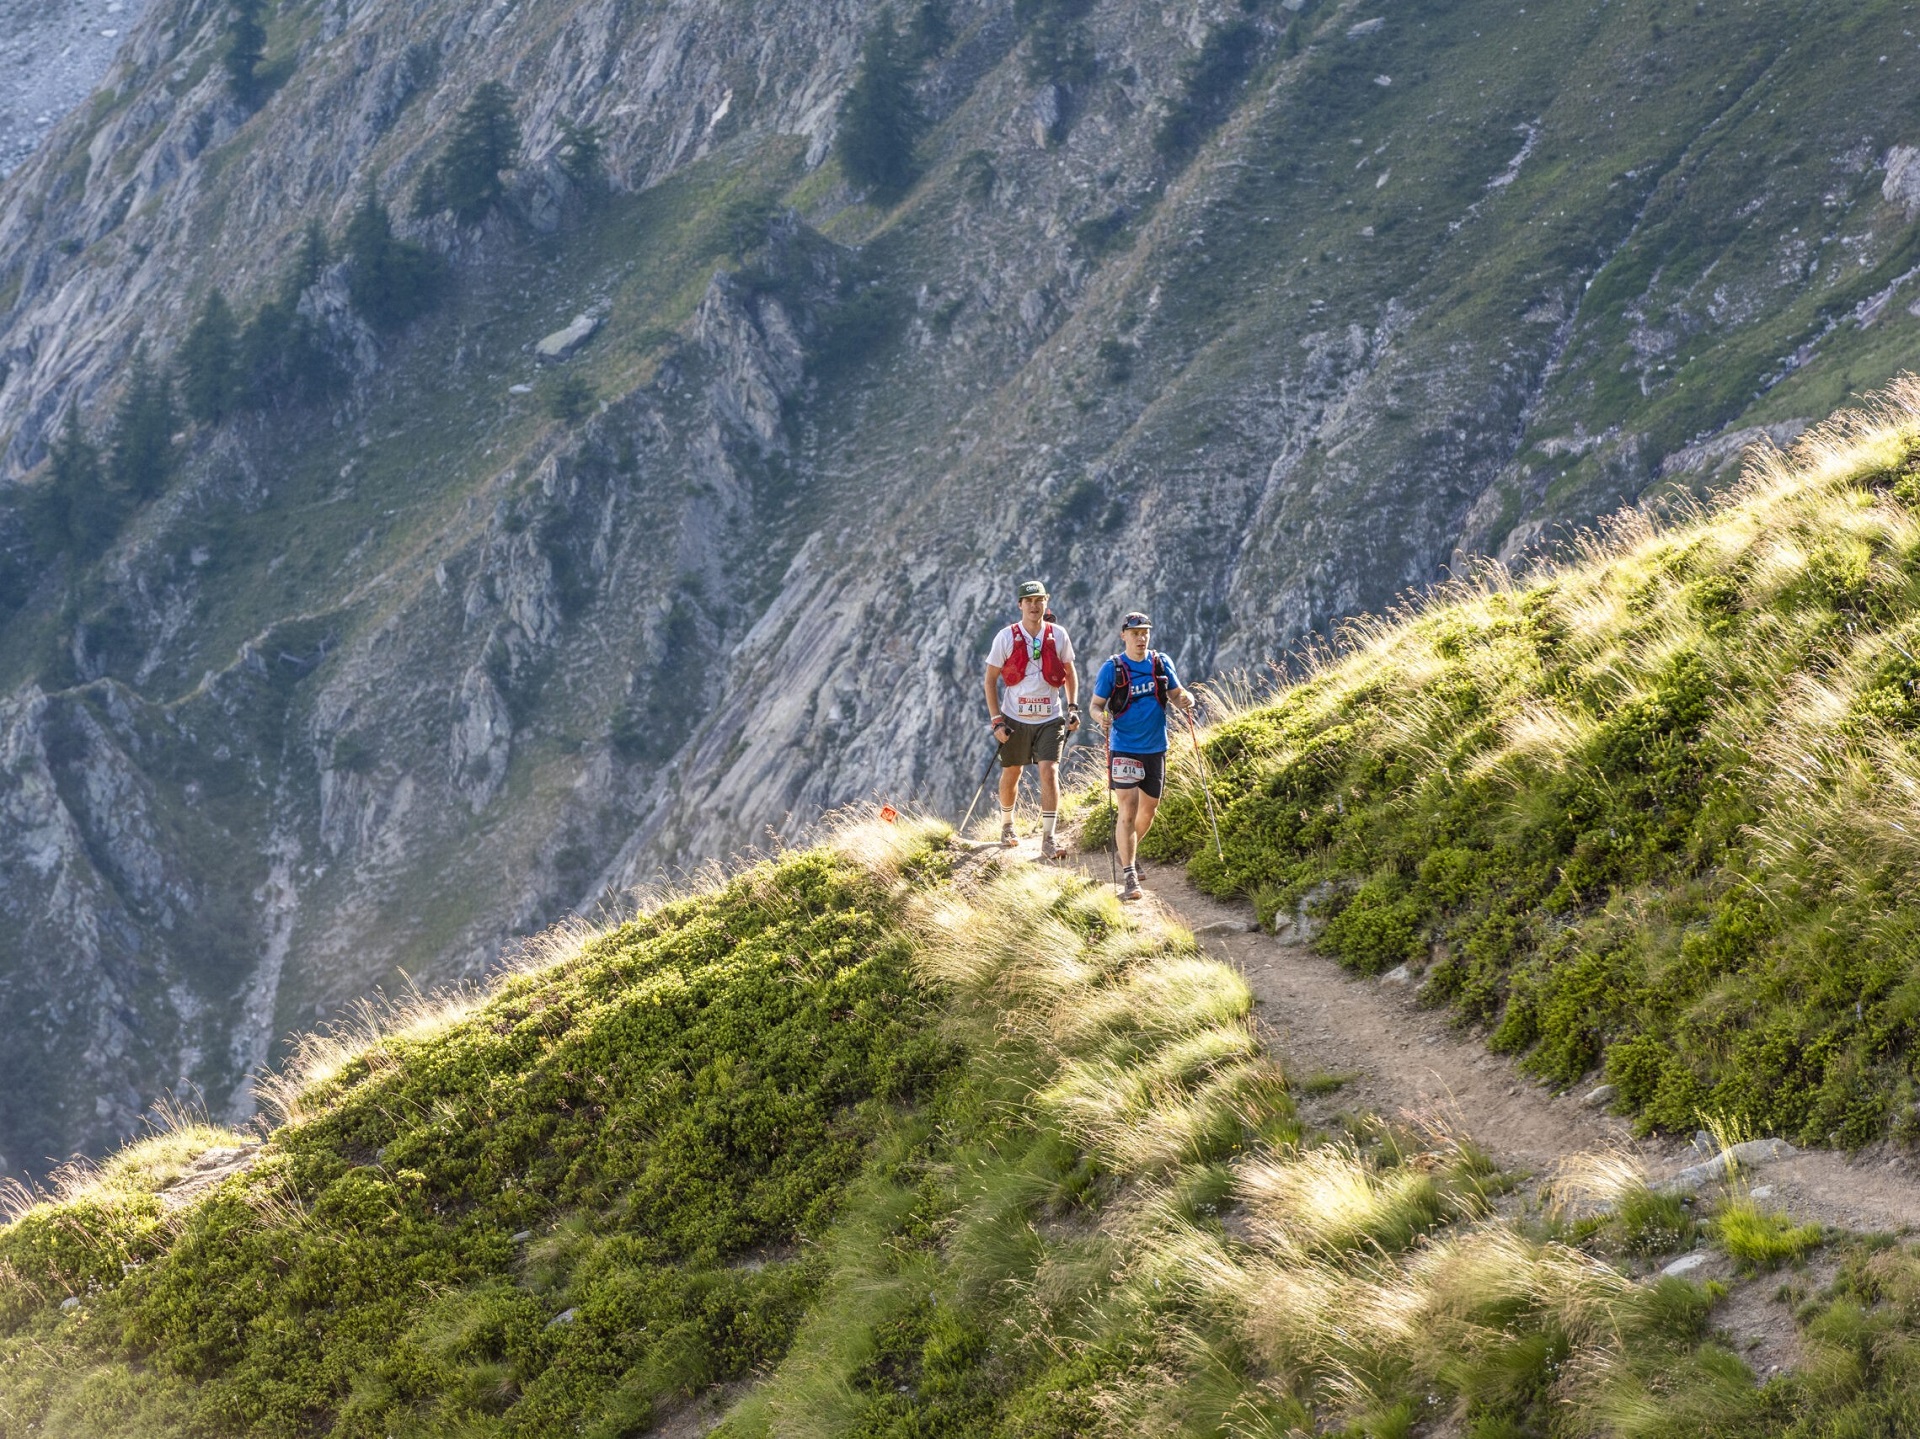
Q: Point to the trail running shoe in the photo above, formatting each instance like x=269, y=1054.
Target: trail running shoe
x=1007, y=840
x=1050, y=848
x=1130, y=885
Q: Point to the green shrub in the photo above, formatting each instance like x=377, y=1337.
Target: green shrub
x=72, y=512
x=670, y=1114
x=1057, y=49
x=582, y=155
x=567, y=396
x=1208, y=87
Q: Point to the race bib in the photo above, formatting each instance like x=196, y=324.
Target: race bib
x=1127, y=770
x=1029, y=708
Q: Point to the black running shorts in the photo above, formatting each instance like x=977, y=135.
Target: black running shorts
x=1032, y=743
x=1144, y=772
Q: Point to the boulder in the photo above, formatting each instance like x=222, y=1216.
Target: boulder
x=1696, y=1176
x=562, y=344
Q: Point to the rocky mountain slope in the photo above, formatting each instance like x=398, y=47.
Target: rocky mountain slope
x=51, y=55
x=1253, y=315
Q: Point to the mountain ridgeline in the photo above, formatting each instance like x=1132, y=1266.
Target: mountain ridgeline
x=346, y=637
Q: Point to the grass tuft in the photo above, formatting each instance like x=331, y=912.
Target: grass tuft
x=1758, y=1238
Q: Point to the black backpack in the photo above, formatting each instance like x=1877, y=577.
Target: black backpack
x=1122, y=695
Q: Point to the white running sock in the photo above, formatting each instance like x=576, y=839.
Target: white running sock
x=1006, y=817
x=1048, y=819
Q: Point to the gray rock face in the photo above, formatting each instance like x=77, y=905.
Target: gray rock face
x=51, y=54
x=1902, y=185
x=388, y=679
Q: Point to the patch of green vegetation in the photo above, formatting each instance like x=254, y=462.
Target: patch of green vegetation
x=668, y=1114
x=880, y=121
x=988, y=1157
x=1642, y=815
x=1210, y=84
x=1759, y=1238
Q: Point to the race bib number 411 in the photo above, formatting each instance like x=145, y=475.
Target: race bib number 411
x=1127, y=770
x=1028, y=708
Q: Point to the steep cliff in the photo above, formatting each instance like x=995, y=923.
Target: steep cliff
x=1253, y=315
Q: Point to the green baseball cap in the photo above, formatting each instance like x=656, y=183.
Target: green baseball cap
x=1033, y=589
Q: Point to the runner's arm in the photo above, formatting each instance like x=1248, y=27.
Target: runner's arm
x=1071, y=689
x=994, y=717
x=1182, y=698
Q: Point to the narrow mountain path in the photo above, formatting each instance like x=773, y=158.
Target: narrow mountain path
x=1390, y=1055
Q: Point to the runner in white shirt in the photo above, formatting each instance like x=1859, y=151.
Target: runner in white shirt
x=1033, y=662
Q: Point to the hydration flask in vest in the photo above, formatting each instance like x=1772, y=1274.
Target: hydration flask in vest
x=1053, y=669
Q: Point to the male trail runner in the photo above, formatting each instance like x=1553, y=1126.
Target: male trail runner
x=1033, y=660
x=1130, y=698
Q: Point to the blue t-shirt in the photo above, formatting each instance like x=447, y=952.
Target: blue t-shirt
x=1142, y=728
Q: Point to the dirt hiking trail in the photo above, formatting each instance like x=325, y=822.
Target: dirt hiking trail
x=1395, y=1058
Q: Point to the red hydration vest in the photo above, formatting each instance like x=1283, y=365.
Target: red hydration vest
x=1052, y=668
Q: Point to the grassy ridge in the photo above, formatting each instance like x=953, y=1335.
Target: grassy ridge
x=1651, y=813
x=919, y=1157
x=668, y=1111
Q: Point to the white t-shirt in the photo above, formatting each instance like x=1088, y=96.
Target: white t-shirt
x=1033, y=700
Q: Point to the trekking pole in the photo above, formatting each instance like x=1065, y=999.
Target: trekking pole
x=1113, y=840
x=991, y=763
x=1206, y=790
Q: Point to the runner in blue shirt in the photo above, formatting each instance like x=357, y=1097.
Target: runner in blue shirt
x=1134, y=713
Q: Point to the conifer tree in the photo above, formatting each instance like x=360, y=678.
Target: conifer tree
x=879, y=121
x=142, y=439
x=208, y=363
x=246, y=48
x=931, y=30
x=310, y=263
x=466, y=177
x=389, y=281
x=282, y=354
x=582, y=156
x=72, y=513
